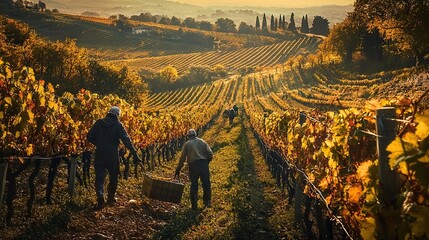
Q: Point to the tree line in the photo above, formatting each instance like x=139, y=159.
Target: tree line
x=320, y=25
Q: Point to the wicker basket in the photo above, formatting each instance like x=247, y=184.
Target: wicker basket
x=162, y=190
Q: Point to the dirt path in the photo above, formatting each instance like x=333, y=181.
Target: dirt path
x=246, y=204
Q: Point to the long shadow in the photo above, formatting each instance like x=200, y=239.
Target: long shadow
x=182, y=222
x=56, y=224
x=249, y=203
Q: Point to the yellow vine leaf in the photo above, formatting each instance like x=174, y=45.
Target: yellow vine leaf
x=1, y=115
x=412, y=139
x=323, y=184
x=402, y=167
x=355, y=192
x=30, y=115
x=8, y=100
x=29, y=150
x=362, y=171
x=332, y=164
x=367, y=229
x=420, y=227
x=422, y=129
x=42, y=101
x=326, y=151
x=396, y=148
x=329, y=143
x=328, y=199
x=304, y=143
x=51, y=88
x=425, y=158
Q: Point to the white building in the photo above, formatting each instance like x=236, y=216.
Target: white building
x=139, y=30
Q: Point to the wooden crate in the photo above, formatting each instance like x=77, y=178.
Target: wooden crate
x=162, y=190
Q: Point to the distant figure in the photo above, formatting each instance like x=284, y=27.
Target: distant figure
x=231, y=115
x=105, y=135
x=235, y=110
x=198, y=155
x=225, y=113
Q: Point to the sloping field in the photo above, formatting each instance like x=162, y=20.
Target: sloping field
x=100, y=35
x=224, y=38
x=263, y=56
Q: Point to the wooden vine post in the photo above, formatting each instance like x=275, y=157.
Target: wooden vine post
x=389, y=180
x=3, y=173
x=72, y=176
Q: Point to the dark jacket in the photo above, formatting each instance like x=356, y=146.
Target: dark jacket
x=105, y=135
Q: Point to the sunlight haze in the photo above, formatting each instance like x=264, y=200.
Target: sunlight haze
x=264, y=3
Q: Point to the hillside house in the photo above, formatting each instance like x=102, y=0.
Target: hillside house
x=140, y=30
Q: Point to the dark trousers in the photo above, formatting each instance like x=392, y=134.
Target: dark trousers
x=200, y=169
x=100, y=176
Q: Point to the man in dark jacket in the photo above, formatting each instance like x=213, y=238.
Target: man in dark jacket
x=105, y=135
x=198, y=155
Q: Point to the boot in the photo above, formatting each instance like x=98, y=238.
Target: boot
x=99, y=205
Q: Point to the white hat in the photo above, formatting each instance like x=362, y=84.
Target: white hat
x=115, y=110
x=192, y=133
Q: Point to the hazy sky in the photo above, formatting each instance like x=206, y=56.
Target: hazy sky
x=268, y=3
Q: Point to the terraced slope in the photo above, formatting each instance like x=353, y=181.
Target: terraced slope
x=268, y=55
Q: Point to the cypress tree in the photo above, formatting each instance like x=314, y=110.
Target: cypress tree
x=264, y=22
x=272, y=23
x=304, y=25
x=284, y=23
x=258, y=25
x=292, y=26
x=276, y=24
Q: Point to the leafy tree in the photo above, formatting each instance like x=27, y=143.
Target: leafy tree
x=15, y=32
x=220, y=70
x=258, y=24
x=320, y=26
x=42, y=6
x=206, y=25
x=165, y=20
x=168, y=74
x=190, y=22
x=292, y=26
x=144, y=17
x=344, y=39
x=372, y=45
x=197, y=75
x=272, y=25
x=246, y=28
x=404, y=23
x=123, y=24
x=225, y=25
x=175, y=21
